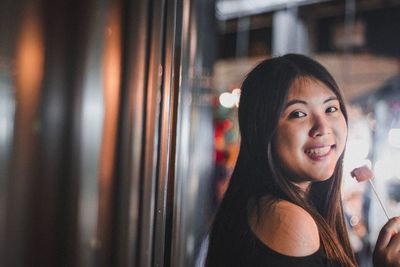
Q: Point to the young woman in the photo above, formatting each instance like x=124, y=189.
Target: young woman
x=283, y=204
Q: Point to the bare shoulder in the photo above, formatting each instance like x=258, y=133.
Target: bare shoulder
x=287, y=229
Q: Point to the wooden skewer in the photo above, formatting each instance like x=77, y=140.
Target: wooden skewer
x=379, y=199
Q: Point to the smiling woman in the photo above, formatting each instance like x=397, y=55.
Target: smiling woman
x=283, y=205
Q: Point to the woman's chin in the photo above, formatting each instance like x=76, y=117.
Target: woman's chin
x=322, y=178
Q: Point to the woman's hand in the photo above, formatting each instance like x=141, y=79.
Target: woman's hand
x=387, y=248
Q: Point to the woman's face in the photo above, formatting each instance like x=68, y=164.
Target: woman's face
x=311, y=132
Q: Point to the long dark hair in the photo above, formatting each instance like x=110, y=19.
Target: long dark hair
x=257, y=172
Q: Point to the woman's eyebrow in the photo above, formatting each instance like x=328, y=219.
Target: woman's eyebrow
x=299, y=101
x=332, y=98
x=295, y=101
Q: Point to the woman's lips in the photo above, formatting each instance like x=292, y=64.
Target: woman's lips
x=319, y=153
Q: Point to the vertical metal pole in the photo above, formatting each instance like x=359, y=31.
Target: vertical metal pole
x=129, y=158
x=289, y=34
x=167, y=135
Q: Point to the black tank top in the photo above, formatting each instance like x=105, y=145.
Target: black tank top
x=264, y=256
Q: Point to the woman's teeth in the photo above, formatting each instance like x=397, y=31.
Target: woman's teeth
x=318, y=151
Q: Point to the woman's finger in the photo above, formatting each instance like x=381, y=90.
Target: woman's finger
x=394, y=244
x=391, y=228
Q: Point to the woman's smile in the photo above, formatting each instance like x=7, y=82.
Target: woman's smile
x=319, y=152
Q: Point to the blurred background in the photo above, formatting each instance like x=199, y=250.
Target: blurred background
x=118, y=130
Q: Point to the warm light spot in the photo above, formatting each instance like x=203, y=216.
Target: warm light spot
x=226, y=100
x=229, y=100
x=29, y=61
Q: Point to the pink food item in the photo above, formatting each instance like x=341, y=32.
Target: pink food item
x=362, y=173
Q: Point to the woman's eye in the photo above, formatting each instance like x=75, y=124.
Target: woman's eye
x=297, y=114
x=331, y=109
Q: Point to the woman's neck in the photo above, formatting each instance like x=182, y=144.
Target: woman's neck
x=304, y=187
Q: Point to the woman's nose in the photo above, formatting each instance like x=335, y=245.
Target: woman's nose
x=319, y=127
